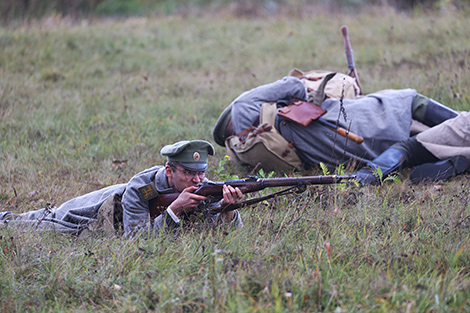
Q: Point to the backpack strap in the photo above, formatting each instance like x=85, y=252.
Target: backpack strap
x=268, y=113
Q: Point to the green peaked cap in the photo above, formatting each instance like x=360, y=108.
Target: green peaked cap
x=192, y=155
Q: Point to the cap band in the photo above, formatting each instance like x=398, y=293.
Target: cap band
x=199, y=167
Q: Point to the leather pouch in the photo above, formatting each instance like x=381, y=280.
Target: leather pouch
x=300, y=111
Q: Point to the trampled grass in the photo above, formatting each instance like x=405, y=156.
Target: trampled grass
x=87, y=104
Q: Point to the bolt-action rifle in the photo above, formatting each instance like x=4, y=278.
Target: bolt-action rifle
x=213, y=190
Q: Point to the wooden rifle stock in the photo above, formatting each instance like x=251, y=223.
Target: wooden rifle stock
x=341, y=131
x=350, y=58
x=213, y=190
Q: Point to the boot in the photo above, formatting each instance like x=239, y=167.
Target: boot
x=437, y=113
x=431, y=112
x=442, y=170
x=388, y=161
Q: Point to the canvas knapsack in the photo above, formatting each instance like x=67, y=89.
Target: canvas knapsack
x=341, y=85
x=264, y=145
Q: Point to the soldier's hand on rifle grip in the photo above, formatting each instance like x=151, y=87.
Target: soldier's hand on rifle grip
x=186, y=201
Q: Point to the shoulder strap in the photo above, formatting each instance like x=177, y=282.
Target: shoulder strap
x=268, y=113
x=149, y=191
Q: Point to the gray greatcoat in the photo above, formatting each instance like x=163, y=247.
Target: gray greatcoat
x=382, y=119
x=76, y=214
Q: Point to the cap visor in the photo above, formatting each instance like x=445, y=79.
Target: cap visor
x=194, y=166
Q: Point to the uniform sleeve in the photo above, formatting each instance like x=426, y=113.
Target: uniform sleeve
x=164, y=222
x=246, y=108
x=136, y=214
x=236, y=221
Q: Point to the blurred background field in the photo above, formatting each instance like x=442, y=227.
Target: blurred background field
x=38, y=8
x=91, y=91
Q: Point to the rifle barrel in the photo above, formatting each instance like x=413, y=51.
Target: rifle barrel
x=350, y=57
x=347, y=47
x=306, y=180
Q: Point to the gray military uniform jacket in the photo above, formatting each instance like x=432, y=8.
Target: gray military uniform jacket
x=78, y=213
x=136, y=211
x=382, y=119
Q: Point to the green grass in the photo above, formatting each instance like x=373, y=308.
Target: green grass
x=75, y=96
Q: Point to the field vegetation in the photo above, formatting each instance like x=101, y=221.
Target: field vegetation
x=86, y=103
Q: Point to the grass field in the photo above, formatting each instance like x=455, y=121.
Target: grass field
x=86, y=104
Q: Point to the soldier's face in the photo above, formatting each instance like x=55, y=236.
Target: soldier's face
x=180, y=178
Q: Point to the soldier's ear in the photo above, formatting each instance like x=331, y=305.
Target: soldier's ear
x=168, y=171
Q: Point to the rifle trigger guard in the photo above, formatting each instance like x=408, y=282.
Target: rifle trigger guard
x=301, y=188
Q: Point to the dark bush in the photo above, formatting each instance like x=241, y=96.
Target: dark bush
x=38, y=8
x=10, y=9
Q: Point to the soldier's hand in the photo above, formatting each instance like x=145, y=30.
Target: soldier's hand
x=187, y=201
x=231, y=195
